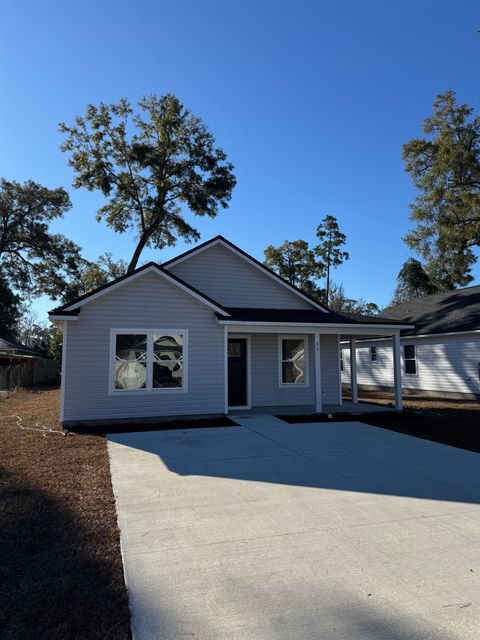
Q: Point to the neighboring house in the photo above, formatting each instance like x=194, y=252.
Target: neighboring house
x=440, y=356
x=21, y=366
x=207, y=332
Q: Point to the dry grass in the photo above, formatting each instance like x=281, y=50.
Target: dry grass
x=61, y=574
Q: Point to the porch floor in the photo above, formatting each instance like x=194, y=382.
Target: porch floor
x=306, y=409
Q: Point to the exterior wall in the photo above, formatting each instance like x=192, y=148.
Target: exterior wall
x=444, y=364
x=233, y=282
x=149, y=302
x=265, y=369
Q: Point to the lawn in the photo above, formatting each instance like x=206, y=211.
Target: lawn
x=61, y=574
x=447, y=421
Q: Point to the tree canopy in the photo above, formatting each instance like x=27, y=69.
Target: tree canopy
x=295, y=261
x=412, y=282
x=330, y=248
x=152, y=166
x=94, y=274
x=445, y=168
x=32, y=259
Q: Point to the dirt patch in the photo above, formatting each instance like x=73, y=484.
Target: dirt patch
x=449, y=422
x=61, y=573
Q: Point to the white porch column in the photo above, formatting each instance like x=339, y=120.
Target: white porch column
x=225, y=334
x=397, y=372
x=340, y=395
x=318, y=374
x=353, y=369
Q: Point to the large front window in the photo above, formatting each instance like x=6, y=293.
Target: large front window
x=148, y=360
x=293, y=360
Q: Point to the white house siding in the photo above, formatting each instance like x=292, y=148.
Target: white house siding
x=233, y=282
x=444, y=364
x=149, y=302
x=265, y=373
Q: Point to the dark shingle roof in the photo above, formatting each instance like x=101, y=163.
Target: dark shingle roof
x=302, y=316
x=440, y=313
x=10, y=346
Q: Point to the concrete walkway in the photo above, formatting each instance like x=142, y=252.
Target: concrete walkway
x=270, y=531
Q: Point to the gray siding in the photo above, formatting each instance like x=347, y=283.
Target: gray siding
x=233, y=282
x=265, y=369
x=149, y=302
x=444, y=363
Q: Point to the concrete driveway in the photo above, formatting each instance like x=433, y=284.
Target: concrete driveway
x=270, y=531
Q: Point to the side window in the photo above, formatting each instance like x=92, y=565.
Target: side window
x=341, y=360
x=293, y=360
x=410, y=359
x=373, y=354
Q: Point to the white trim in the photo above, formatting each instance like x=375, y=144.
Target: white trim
x=353, y=370
x=149, y=389
x=64, y=372
x=293, y=385
x=260, y=267
x=422, y=335
x=317, y=325
x=340, y=360
x=305, y=328
x=249, y=370
x=318, y=374
x=225, y=366
x=59, y=318
x=397, y=373
x=134, y=276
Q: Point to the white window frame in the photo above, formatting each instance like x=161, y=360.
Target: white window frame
x=410, y=344
x=293, y=385
x=373, y=360
x=149, y=388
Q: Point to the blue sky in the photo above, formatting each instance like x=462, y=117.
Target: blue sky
x=312, y=101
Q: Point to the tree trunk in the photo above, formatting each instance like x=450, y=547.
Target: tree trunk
x=328, y=281
x=138, y=250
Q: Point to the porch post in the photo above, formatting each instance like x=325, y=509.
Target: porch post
x=353, y=369
x=225, y=357
x=340, y=398
x=397, y=372
x=318, y=375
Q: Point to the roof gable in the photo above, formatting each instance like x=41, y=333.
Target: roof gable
x=220, y=241
x=71, y=310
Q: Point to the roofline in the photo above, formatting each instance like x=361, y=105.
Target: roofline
x=411, y=336
x=246, y=256
x=368, y=325
x=65, y=311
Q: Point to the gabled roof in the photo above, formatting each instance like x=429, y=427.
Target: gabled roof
x=70, y=310
x=246, y=256
x=10, y=346
x=449, y=312
x=301, y=316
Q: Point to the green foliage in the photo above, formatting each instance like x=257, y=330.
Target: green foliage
x=413, y=282
x=151, y=166
x=445, y=168
x=10, y=310
x=56, y=345
x=34, y=334
x=92, y=275
x=295, y=262
x=330, y=248
x=33, y=260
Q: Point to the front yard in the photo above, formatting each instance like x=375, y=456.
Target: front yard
x=61, y=573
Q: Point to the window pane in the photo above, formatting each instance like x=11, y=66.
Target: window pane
x=292, y=349
x=373, y=353
x=167, y=361
x=293, y=372
x=234, y=350
x=409, y=351
x=130, y=361
x=410, y=366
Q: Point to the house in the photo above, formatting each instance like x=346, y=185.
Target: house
x=208, y=332
x=440, y=356
x=21, y=366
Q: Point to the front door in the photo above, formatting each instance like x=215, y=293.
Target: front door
x=237, y=372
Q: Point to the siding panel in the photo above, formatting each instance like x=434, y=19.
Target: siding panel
x=232, y=282
x=147, y=303
x=444, y=363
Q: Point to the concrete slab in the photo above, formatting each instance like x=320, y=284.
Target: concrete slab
x=270, y=531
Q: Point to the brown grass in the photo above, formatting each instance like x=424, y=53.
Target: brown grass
x=61, y=574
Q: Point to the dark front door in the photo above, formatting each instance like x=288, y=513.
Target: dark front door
x=237, y=372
